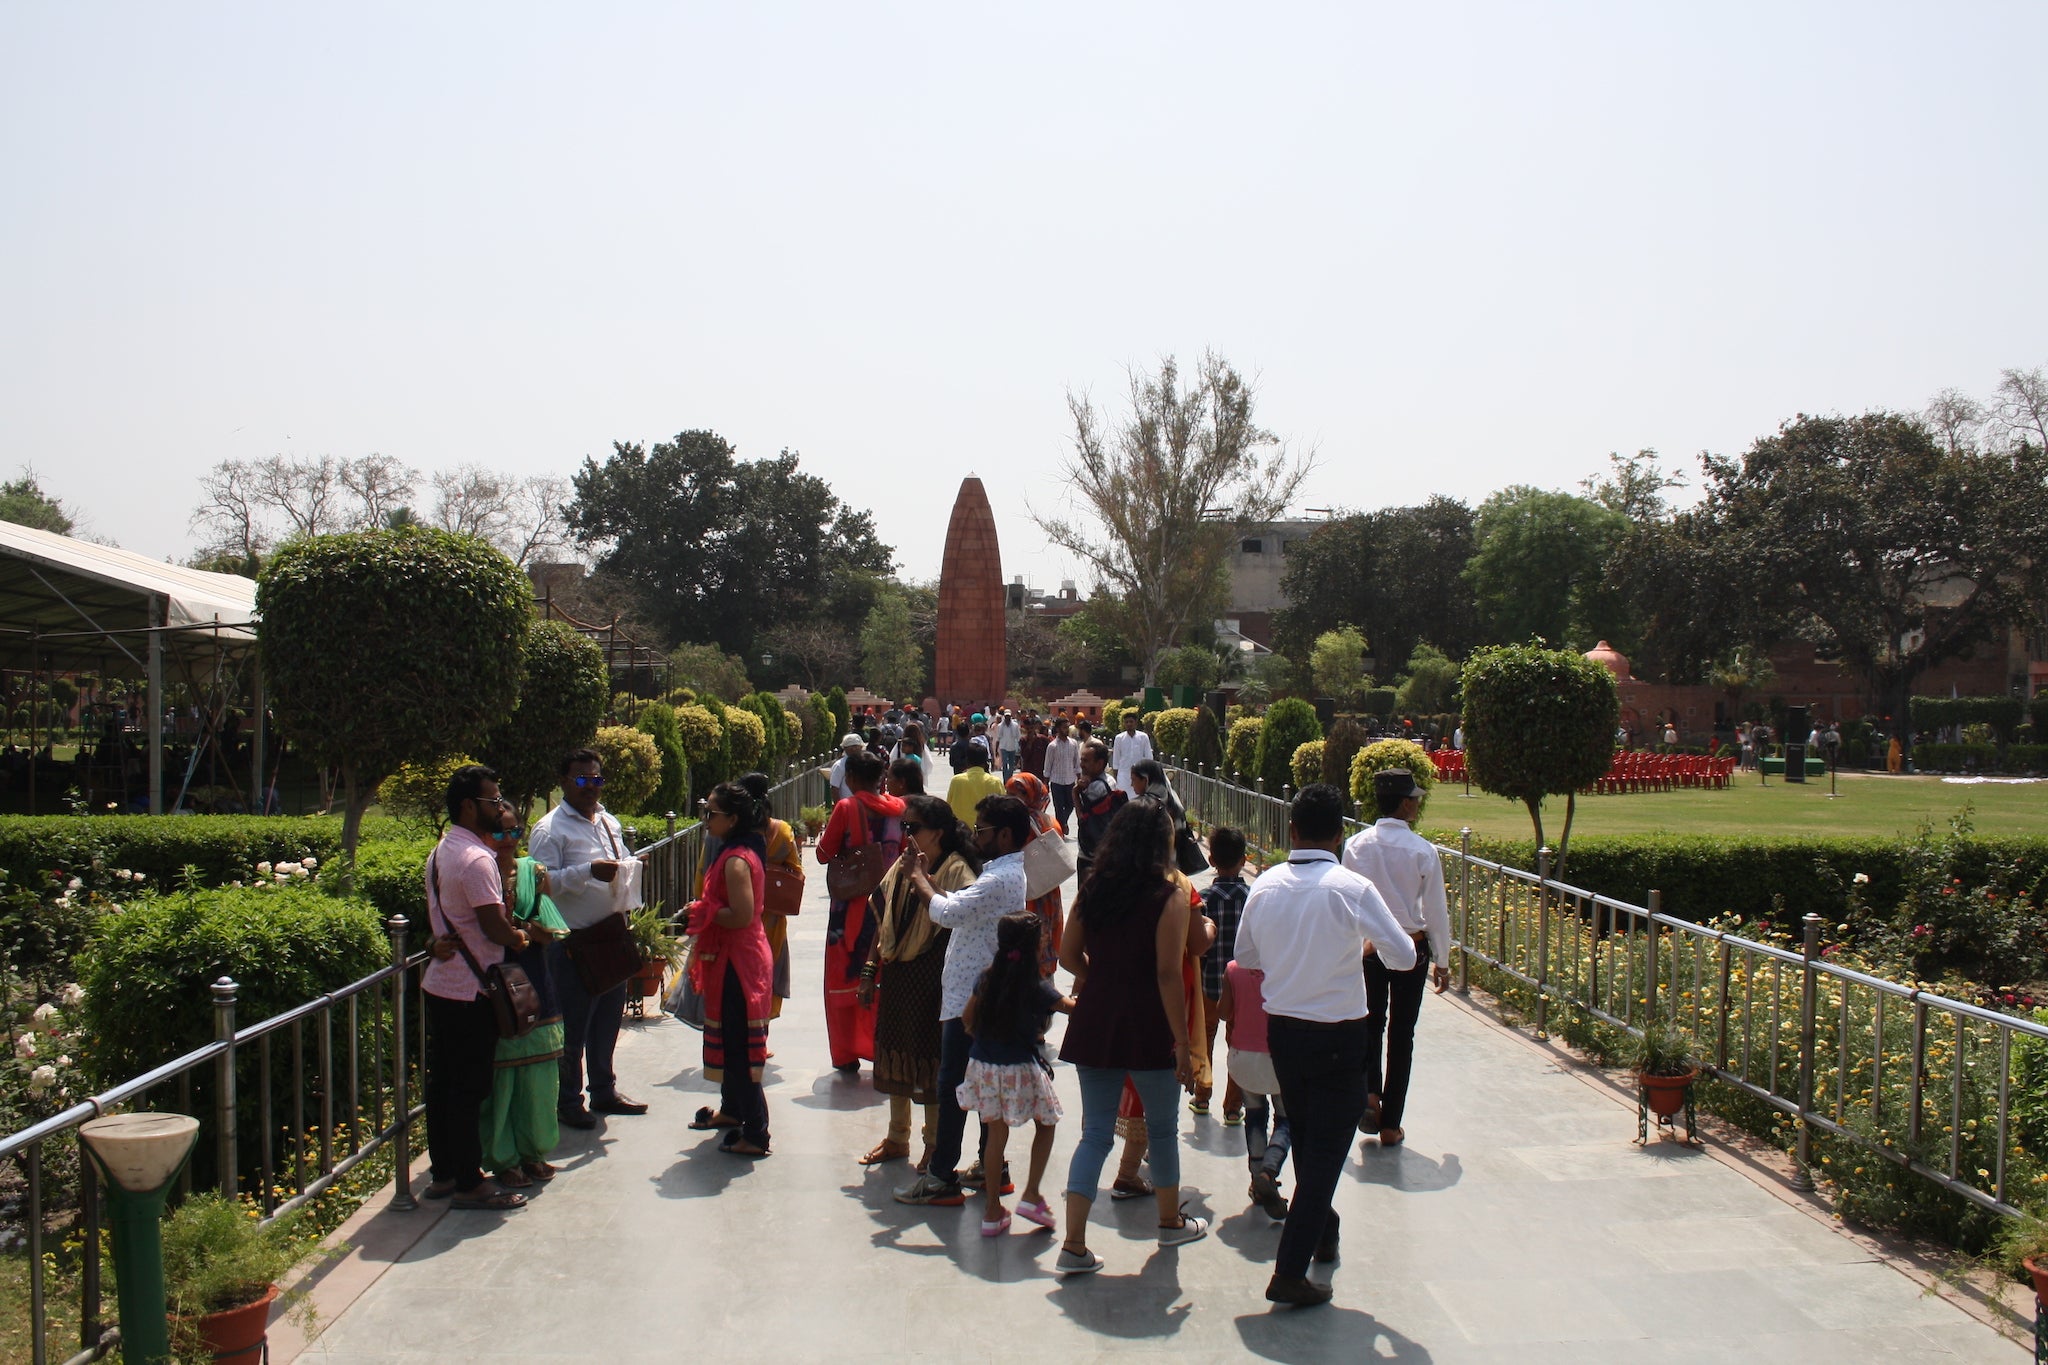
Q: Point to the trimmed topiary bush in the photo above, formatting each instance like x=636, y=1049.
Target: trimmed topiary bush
x=1205, y=741
x=1241, y=755
x=1384, y=754
x=632, y=768
x=1290, y=723
x=1307, y=764
x=1538, y=722
x=417, y=793
x=1340, y=747
x=658, y=722
x=561, y=703
x=1171, y=730
x=747, y=736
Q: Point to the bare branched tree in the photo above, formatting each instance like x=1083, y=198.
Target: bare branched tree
x=306, y=492
x=381, y=487
x=230, y=518
x=2019, y=408
x=522, y=517
x=535, y=528
x=1955, y=418
x=1169, y=487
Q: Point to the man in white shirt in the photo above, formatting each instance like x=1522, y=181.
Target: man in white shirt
x=851, y=744
x=1132, y=746
x=1408, y=872
x=1002, y=828
x=1062, y=770
x=1306, y=924
x=581, y=845
x=1010, y=742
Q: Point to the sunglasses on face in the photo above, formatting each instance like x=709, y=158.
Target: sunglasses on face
x=596, y=780
x=513, y=835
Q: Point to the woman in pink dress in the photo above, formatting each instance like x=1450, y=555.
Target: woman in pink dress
x=866, y=817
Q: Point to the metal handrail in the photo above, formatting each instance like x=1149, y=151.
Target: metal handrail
x=395, y=1033
x=1756, y=1018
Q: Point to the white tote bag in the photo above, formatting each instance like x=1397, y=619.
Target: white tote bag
x=1048, y=861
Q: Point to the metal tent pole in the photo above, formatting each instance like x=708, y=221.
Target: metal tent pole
x=156, y=707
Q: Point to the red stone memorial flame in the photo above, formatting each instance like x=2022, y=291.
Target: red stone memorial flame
x=973, y=642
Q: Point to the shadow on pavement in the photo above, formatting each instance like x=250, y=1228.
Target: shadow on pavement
x=1404, y=1168
x=833, y=1091
x=1251, y=1234
x=1147, y=1304
x=703, y=1172
x=1309, y=1336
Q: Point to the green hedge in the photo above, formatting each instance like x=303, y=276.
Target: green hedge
x=1955, y=758
x=2002, y=714
x=1702, y=876
x=391, y=876
x=2026, y=758
x=223, y=847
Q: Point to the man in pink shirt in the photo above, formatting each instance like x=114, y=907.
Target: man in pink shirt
x=465, y=905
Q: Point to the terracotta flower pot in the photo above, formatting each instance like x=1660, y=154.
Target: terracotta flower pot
x=2039, y=1270
x=1666, y=1093
x=236, y=1335
x=649, y=980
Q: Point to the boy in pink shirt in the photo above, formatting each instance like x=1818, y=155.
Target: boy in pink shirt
x=1243, y=1009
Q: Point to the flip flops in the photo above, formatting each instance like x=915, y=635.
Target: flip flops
x=709, y=1120
x=737, y=1145
x=1137, y=1187
x=496, y=1200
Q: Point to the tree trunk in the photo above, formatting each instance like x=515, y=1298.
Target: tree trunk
x=357, y=801
x=1564, y=840
x=1535, y=805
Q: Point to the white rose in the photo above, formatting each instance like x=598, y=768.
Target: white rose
x=300, y=873
x=42, y=1078
x=1861, y=879
x=72, y=996
x=25, y=1046
x=73, y=885
x=309, y=862
x=45, y=1016
x=64, y=1060
x=263, y=869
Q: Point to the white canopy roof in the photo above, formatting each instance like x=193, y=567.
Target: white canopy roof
x=76, y=598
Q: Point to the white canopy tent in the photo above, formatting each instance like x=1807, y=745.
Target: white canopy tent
x=66, y=605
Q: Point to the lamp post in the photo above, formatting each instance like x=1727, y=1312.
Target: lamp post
x=139, y=1155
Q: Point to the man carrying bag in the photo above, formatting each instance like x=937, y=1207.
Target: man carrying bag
x=465, y=897
x=583, y=848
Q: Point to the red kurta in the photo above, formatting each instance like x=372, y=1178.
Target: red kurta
x=849, y=1028
x=743, y=950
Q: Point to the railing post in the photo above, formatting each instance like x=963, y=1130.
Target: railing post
x=1543, y=944
x=224, y=1082
x=1650, y=991
x=1464, y=910
x=1802, y=1161
x=671, y=826
x=401, y=1098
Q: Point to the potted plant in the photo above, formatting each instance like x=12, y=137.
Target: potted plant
x=221, y=1268
x=660, y=950
x=811, y=821
x=2023, y=1242
x=1665, y=1069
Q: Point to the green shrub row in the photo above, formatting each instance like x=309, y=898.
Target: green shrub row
x=1702, y=876
x=1980, y=758
x=223, y=847
x=2002, y=714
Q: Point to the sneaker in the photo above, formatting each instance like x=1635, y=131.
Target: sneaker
x=1039, y=1213
x=973, y=1178
x=1076, y=1263
x=996, y=1228
x=1191, y=1229
x=1265, y=1192
x=929, y=1189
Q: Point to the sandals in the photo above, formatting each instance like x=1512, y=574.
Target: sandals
x=885, y=1150
x=710, y=1120
x=439, y=1189
x=1369, y=1121
x=512, y=1178
x=737, y=1145
x=1137, y=1187
x=1199, y=1107
x=496, y=1200
x=1233, y=1118
x=540, y=1171
x=1392, y=1137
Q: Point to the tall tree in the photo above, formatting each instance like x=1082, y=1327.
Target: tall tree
x=1168, y=488
x=522, y=517
x=23, y=502
x=717, y=546
x=1397, y=574
x=1867, y=532
x=1537, y=567
x=1538, y=722
x=890, y=660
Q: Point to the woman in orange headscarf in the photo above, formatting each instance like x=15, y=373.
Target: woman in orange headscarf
x=1037, y=799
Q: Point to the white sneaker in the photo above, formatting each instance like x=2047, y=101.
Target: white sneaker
x=1191, y=1229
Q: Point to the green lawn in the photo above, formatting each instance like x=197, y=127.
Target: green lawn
x=1868, y=805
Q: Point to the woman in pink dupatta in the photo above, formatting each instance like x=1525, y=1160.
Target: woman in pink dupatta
x=734, y=970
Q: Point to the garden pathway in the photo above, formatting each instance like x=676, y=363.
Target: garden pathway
x=1520, y=1224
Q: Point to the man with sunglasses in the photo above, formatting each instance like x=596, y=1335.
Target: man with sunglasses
x=581, y=845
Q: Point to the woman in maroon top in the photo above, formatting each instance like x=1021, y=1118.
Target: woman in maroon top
x=1124, y=946
x=866, y=817
x=734, y=969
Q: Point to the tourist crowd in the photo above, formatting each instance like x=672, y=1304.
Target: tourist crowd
x=944, y=939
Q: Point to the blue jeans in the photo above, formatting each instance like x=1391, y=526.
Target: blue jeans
x=954, y=1045
x=1012, y=760
x=1101, y=1088
x=590, y=1030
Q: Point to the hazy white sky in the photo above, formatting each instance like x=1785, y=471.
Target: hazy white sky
x=1459, y=246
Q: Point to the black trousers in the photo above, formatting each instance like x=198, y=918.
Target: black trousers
x=1062, y=802
x=954, y=1045
x=590, y=1032
x=1393, y=1002
x=462, y=1054
x=740, y=1096
x=1321, y=1068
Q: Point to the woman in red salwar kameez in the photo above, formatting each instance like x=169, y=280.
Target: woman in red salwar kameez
x=734, y=970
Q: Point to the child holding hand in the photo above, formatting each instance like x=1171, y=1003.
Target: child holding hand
x=1009, y=1083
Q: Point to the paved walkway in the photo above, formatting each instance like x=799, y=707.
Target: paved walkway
x=1520, y=1224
